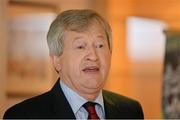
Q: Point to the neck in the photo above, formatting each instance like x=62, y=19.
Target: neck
x=88, y=94
x=90, y=97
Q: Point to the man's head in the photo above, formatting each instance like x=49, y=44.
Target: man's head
x=80, y=47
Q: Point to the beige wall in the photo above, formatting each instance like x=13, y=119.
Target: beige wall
x=15, y=9
x=140, y=81
x=3, y=41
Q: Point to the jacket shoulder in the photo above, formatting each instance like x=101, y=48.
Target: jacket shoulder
x=124, y=104
x=37, y=104
x=117, y=98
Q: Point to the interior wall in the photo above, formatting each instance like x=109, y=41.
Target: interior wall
x=167, y=10
x=142, y=81
x=15, y=9
x=3, y=37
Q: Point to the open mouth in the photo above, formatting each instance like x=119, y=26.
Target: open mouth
x=91, y=69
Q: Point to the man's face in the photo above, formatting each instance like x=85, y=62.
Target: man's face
x=85, y=61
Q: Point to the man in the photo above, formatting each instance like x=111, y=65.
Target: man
x=80, y=48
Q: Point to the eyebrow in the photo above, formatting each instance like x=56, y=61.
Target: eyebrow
x=76, y=38
x=79, y=37
x=100, y=36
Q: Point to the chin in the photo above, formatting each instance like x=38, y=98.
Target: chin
x=92, y=90
x=95, y=85
x=93, y=82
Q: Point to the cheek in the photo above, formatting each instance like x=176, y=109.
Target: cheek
x=66, y=64
x=74, y=64
x=106, y=59
x=105, y=65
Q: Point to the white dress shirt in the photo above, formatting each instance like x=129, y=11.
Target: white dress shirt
x=77, y=101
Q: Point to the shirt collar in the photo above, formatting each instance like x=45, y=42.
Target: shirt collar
x=75, y=100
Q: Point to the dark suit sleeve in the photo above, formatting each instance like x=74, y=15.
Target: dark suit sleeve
x=121, y=107
x=140, y=111
x=7, y=115
x=50, y=105
x=10, y=113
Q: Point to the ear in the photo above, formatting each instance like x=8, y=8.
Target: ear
x=56, y=62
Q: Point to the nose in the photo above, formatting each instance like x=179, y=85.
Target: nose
x=92, y=54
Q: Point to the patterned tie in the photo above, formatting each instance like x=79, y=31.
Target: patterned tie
x=90, y=108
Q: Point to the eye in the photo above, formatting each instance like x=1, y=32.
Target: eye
x=80, y=47
x=99, y=46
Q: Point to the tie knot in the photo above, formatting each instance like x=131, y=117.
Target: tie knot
x=89, y=104
x=90, y=107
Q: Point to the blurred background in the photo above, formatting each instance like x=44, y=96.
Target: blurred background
x=140, y=29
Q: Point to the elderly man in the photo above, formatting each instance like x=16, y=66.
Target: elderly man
x=80, y=48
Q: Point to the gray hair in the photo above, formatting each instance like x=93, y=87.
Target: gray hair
x=73, y=20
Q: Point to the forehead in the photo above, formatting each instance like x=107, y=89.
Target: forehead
x=94, y=27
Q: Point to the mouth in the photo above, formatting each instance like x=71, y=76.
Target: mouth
x=91, y=70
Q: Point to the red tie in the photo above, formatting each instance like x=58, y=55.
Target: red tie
x=90, y=107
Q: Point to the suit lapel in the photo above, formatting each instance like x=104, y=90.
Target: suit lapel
x=111, y=110
x=62, y=108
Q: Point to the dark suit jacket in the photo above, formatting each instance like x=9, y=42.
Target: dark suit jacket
x=53, y=104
